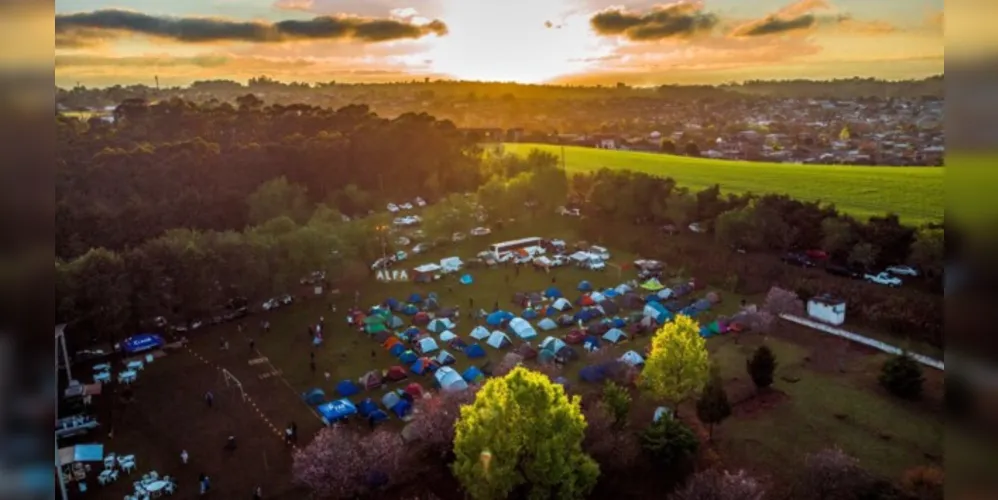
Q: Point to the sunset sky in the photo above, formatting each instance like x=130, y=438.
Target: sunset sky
x=103, y=42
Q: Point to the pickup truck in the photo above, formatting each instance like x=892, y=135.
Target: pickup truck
x=884, y=278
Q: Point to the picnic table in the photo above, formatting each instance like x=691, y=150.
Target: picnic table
x=127, y=376
x=155, y=486
x=102, y=367
x=102, y=377
x=135, y=365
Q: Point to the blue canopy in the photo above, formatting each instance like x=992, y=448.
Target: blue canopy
x=529, y=314
x=347, y=388
x=391, y=303
x=473, y=374
x=410, y=309
x=88, y=453
x=415, y=298
x=585, y=286
x=142, y=342
x=474, y=351
x=552, y=292
x=334, y=411
x=466, y=279
x=408, y=357
x=396, y=350
x=496, y=318
x=314, y=396
x=366, y=407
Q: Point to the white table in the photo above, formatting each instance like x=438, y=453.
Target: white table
x=102, y=377
x=127, y=376
x=155, y=487
x=104, y=477
x=135, y=365
x=102, y=367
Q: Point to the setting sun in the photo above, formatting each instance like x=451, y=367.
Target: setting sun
x=517, y=40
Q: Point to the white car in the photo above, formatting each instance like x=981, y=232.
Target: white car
x=696, y=227
x=381, y=263
x=902, y=271
x=480, y=231
x=568, y=212
x=600, y=252
x=594, y=265
x=458, y=237
x=884, y=278
x=421, y=248
x=420, y=202
x=406, y=206
x=402, y=241
x=393, y=208
x=277, y=302
x=558, y=261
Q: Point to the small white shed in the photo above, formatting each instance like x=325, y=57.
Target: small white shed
x=827, y=309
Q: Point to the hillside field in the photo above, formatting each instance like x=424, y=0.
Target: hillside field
x=915, y=193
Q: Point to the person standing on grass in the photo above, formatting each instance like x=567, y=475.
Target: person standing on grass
x=203, y=482
x=252, y=345
x=183, y=457
x=209, y=398
x=287, y=434
x=258, y=493
x=322, y=322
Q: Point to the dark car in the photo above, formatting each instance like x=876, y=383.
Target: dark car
x=837, y=270
x=797, y=259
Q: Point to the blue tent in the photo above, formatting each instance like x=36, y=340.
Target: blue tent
x=412, y=331
x=496, y=318
x=552, y=293
x=547, y=324
x=614, y=336
x=445, y=358
x=658, y=312
x=410, y=309
x=314, y=396
x=433, y=296
x=584, y=315
x=377, y=416
x=689, y=311
x=618, y=322
x=652, y=298
x=335, y=411
x=391, y=303
x=142, y=342
x=474, y=351
x=408, y=357
x=706, y=332
x=592, y=373
x=591, y=343
x=473, y=375
x=415, y=298
x=346, y=388
x=529, y=314
x=610, y=292
x=632, y=358
x=366, y=407
x=440, y=325
x=421, y=366
x=585, y=286
x=397, y=350
x=467, y=279
x=427, y=345
x=402, y=408
x=390, y=399
x=562, y=381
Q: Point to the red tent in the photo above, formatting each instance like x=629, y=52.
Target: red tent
x=587, y=300
x=396, y=373
x=575, y=337
x=421, y=318
x=371, y=379
x=415, y=390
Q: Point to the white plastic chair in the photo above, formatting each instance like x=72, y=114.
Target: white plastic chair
x=114, y=475
x=170, y=488
x=154, y=475
x=109, y=460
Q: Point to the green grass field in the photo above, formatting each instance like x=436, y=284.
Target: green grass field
x=916, y=194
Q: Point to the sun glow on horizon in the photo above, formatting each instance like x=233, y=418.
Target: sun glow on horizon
x=516, y=40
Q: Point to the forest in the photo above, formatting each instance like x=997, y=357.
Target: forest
x=182, y=210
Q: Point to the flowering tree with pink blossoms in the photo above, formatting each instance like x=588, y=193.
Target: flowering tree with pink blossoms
x=781, y=301
x=434, y=417
x=342, y=463
x=713, y=484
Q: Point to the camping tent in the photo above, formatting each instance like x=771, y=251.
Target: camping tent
x=591, y=343
x=396, y=373
x=439, y=325
x=480, y=332
x=449, y=313
x=584, y=286
x=370, y=380
x=566, y=320
x=632, y=358
x=498, y=340
x=347, y=388
x=586, y=301
x=615, y=336
x=397, y=350
x=599, y=328
x=561, y=304
x=408, y=357
x=447, y=336
x=395, y=322
x=522, y=328
x=381, y=337
x=314, y=396
x=623, y=288
x=472, y=375
x=653, y=285
x=552, y=292
x=415, y=390
x=392, y=304
x=142, y=342
x=449, y=379
x=547, y=324
x=391, y=342
x=367, y=407
x=410, y=309
x=444, y=358
x=497, y=318
x=427, y=345
x=526, y=351
x=608, y=306
x=597, y=297
x=431, y=304
x=566, y=354
x=631, y=301
x=457, y=343
x=554, y=343
x=657, y=311
x=474, y=351
x=665, y=293
x=610, y=293
x=467, y=279
x=528, y=314
x=421, y=366
x=421, y=318
x=415, y=298
x=575, y=337
x=334, y=411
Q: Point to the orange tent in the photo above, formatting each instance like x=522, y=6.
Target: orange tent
x=391, y=342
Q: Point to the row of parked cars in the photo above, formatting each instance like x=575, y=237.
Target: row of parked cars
x=401, y=207
x=816, y=258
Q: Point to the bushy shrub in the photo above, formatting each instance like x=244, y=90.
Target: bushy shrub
x=761, y=367
x=670, y=443
x=902, y=376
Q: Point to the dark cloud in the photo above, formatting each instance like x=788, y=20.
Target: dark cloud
x=76, y=29
x=668, y=21
x=774, y=25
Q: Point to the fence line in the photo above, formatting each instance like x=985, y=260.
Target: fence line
x=876, y=344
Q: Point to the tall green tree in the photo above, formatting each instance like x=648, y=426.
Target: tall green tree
x=713, y=406
x=617, y=401
x=864, y=254
x=928, y=251
x=277, y=198
x=837, y=236
x=761, y=366
x=678, y=365
x=523, y=435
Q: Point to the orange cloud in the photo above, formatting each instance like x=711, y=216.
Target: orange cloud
x=801, y=16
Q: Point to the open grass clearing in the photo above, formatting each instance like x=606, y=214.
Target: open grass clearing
x=916, y=194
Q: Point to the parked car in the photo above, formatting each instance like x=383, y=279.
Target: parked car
x=313, y=278
x=406, y=206
x=558, y=260
x=402, y=241
x=420, y=202
x=480, y=231
x=422, y=248
x=843, y=271
x=902, y=270
x=393, y=208
x=697, y=228
x=797, y=259
x=600, y=252
x=884, y=278
x=816, y=254
x=458, y=236
x=277, y=302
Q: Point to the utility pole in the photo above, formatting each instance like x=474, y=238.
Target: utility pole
x=563, y=156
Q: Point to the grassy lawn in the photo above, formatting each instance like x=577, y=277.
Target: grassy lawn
x=916, y=194
x=824, y=408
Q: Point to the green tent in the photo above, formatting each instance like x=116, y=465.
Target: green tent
x=375, y=319
x=653, y=285
x=376, y=327
x=714, y=328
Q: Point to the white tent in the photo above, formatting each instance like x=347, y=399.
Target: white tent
x=447, y=336
x=498, y=340
x=665, y=293
x=623, y=288
x=632, y=358
x=562, y=304
x=597, y=297
x=427, y=345
x=555, y=344
x=479, y=333
x=451, y=264
x=547, y=324
x=449, y=379
x=522, y=328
